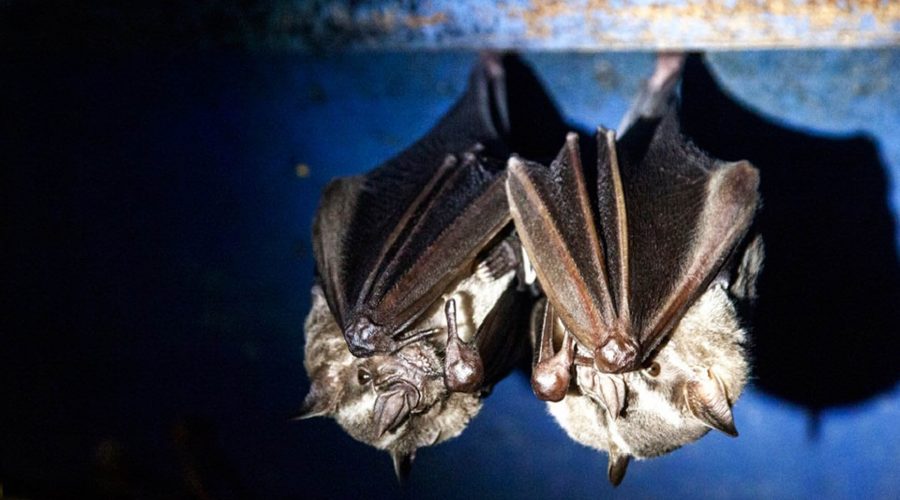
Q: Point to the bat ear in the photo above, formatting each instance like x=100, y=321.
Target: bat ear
x=708, y=402
x=317, y=403
x=617, y=467
x=402, y=464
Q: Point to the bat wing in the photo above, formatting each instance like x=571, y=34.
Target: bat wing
x=687, y=213
x=621, y=271
x=556, y=224
x=333, y=217
x=453, y=220
x=413, y=225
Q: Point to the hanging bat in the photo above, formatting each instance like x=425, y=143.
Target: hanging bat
x=622, y=269
x=420, y=246
x=686, y=389
x=389, y=243
x=399, y=402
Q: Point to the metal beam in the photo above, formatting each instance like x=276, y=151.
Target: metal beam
x=590, y=24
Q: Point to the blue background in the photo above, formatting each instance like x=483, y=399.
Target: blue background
x=157, y=266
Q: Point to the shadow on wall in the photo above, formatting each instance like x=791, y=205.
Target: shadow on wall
x=826, y=324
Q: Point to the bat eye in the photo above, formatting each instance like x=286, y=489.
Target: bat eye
x=363, y=376
x=653, y=369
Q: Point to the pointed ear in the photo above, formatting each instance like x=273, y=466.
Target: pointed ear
x=618, y=465
x=317, y=403
x=402, y=464
x=707, y=400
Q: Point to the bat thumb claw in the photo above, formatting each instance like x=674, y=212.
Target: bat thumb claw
x=550, y=381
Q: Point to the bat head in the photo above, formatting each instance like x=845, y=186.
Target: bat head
x=685, y=389
x=396, y=402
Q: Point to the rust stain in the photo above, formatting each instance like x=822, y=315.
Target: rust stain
x=415, y=22
x=744, y=22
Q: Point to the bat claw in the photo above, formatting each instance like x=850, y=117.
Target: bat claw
x=552, y=374
x=617, y=355
x=550, y=382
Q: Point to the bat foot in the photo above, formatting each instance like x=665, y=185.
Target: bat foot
x=668, y=69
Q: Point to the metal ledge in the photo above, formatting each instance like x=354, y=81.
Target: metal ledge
x=594, y=24
x=324, y=25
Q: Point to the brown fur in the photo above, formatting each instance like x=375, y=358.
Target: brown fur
x=439, y=414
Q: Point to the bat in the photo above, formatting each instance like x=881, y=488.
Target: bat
x=399, y=402
x=419, y=246
x=389, y=243
x=686, y=390
x=623, y=267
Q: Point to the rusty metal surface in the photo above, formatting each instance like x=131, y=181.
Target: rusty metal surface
x=593, y=24
x=325, y=25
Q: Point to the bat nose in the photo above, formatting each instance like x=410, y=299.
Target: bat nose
x=617, y=355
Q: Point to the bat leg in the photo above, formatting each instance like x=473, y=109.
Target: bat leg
x=463, y=368
x=667, y=71
x=551, y=373
x=501, y=259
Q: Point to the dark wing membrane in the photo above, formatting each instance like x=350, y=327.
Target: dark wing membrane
x=330, y=228
x=612, y=221
x=387, y=201
x=686, y=214
x=454, y=221
x=554, y=219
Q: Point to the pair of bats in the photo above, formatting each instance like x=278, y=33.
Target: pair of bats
x=427, y=264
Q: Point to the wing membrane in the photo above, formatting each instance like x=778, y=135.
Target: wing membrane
x=412, y=226
x=555, y=223
x=689, y=212
x=329, y=231
x=666, y=220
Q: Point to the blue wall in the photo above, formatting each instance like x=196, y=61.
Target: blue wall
x=158, y=264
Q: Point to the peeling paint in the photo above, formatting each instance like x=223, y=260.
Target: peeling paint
x=716, y=24
x=588, y=25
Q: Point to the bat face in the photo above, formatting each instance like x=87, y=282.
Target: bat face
x=398, y=402
x=685, y=389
